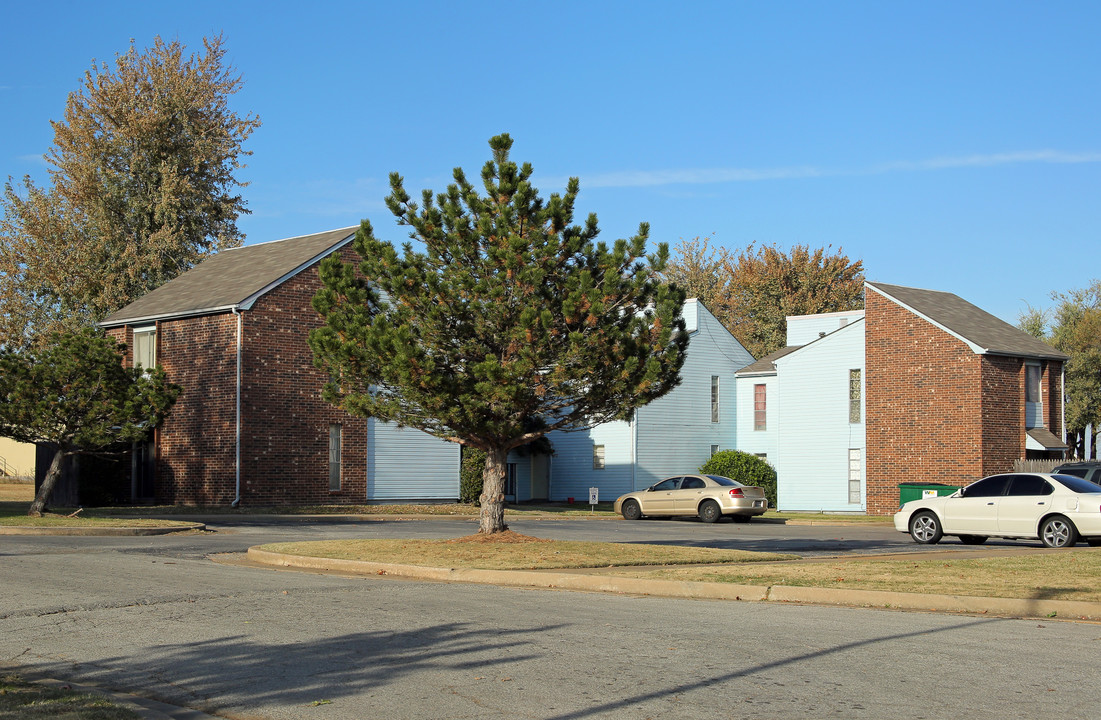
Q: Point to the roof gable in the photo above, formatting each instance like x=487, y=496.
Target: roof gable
x=232, y=279
x=985, y=333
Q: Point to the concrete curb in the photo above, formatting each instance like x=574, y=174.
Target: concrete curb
x=100, y=531
x=1011, y=607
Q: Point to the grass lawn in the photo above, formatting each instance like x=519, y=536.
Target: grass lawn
x=14, y=514
x=1064, y=575
x=1068, y=575
x=22, y=699
x=516, y=552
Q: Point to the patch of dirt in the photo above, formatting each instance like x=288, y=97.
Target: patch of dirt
x=502, y=537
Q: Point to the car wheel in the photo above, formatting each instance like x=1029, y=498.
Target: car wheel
x=709, y=511
x=925, y=528
x=1057, y=531
x=741, y=518
x=973, y=539
x=631, y=510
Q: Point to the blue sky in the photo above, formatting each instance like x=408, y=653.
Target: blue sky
x=949, y=145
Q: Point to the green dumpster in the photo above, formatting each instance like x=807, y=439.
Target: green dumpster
x=917, y=491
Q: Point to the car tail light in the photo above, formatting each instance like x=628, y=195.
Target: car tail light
x=736, y=493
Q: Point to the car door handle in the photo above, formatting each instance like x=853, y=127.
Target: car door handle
x=990, y=503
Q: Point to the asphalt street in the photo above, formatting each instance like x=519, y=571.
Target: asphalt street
x=155, y=616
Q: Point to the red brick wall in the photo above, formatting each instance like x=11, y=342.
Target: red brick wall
x=1051, y=389
x=1003, y=413
x=285, y=445
x=924, y=404
x=195, y=444
x=285, y=423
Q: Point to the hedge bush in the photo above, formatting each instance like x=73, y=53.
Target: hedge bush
x=746, y=469
x=470, y=475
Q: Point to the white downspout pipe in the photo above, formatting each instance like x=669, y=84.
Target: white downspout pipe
x=237, y=434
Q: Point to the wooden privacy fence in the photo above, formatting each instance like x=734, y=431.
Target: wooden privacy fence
x=1043, y=466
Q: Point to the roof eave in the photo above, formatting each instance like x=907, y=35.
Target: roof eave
x=138, y=319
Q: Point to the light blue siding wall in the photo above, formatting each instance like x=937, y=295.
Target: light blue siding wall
x=675, y=432
x=758, y=442
x=815, y=434
x=572, y=472
x=407, y=464
x=803, y=329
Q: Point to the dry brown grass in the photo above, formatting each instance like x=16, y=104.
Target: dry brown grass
x=515, y=552
x=16, y=492
x=1066, y=575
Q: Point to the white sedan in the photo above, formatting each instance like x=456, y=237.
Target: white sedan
x=1057, y=509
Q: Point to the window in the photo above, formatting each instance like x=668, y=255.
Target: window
x=854, y=475
x=667, y=484
x=1032, y=383
x=145, y=347
x=989, y=487
x=714, y=398
x=692, y=484
x=335, y=433
x=1030, y=485
x=715, y=449
x=598, y=457
x=854, y=396
x=760, y=394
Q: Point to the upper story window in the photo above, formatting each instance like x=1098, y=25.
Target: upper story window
x=145, y=347
x=760, y=397
x=714, y=398
x=854, y=396
x=1032, y=383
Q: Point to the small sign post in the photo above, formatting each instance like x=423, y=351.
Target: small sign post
x=594, y=498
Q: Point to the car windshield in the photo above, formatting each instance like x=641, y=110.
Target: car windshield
x=1078, y=485
x=725, y=481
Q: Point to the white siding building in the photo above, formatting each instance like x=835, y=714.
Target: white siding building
x=673, y=434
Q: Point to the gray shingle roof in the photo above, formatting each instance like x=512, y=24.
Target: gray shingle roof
x=232, y=278
x=953, y=313
x=767, y=364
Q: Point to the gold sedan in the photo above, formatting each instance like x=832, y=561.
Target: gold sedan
x=708, y=496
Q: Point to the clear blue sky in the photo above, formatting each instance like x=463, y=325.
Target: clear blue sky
x=952, y=146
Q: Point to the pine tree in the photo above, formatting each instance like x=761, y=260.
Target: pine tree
x=142, y=188
x=75, y=393
x=512, y=323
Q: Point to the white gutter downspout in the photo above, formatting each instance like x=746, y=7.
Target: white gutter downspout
x=237, y=438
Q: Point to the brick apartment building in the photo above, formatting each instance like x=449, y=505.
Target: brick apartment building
x=952, y=393
x=920, y=386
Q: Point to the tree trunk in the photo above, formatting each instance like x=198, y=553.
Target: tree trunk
x=491, y=518
x=38, y=506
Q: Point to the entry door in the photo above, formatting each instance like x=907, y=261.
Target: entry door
x=660, y=499
x=976, y=512
x=1029, y=498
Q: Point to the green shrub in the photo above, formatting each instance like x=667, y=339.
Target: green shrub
x=470, y=475
x=746, y=469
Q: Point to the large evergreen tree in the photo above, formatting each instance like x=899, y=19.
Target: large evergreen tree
x=75, y=393
x=513, y=321
x=142, y=188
